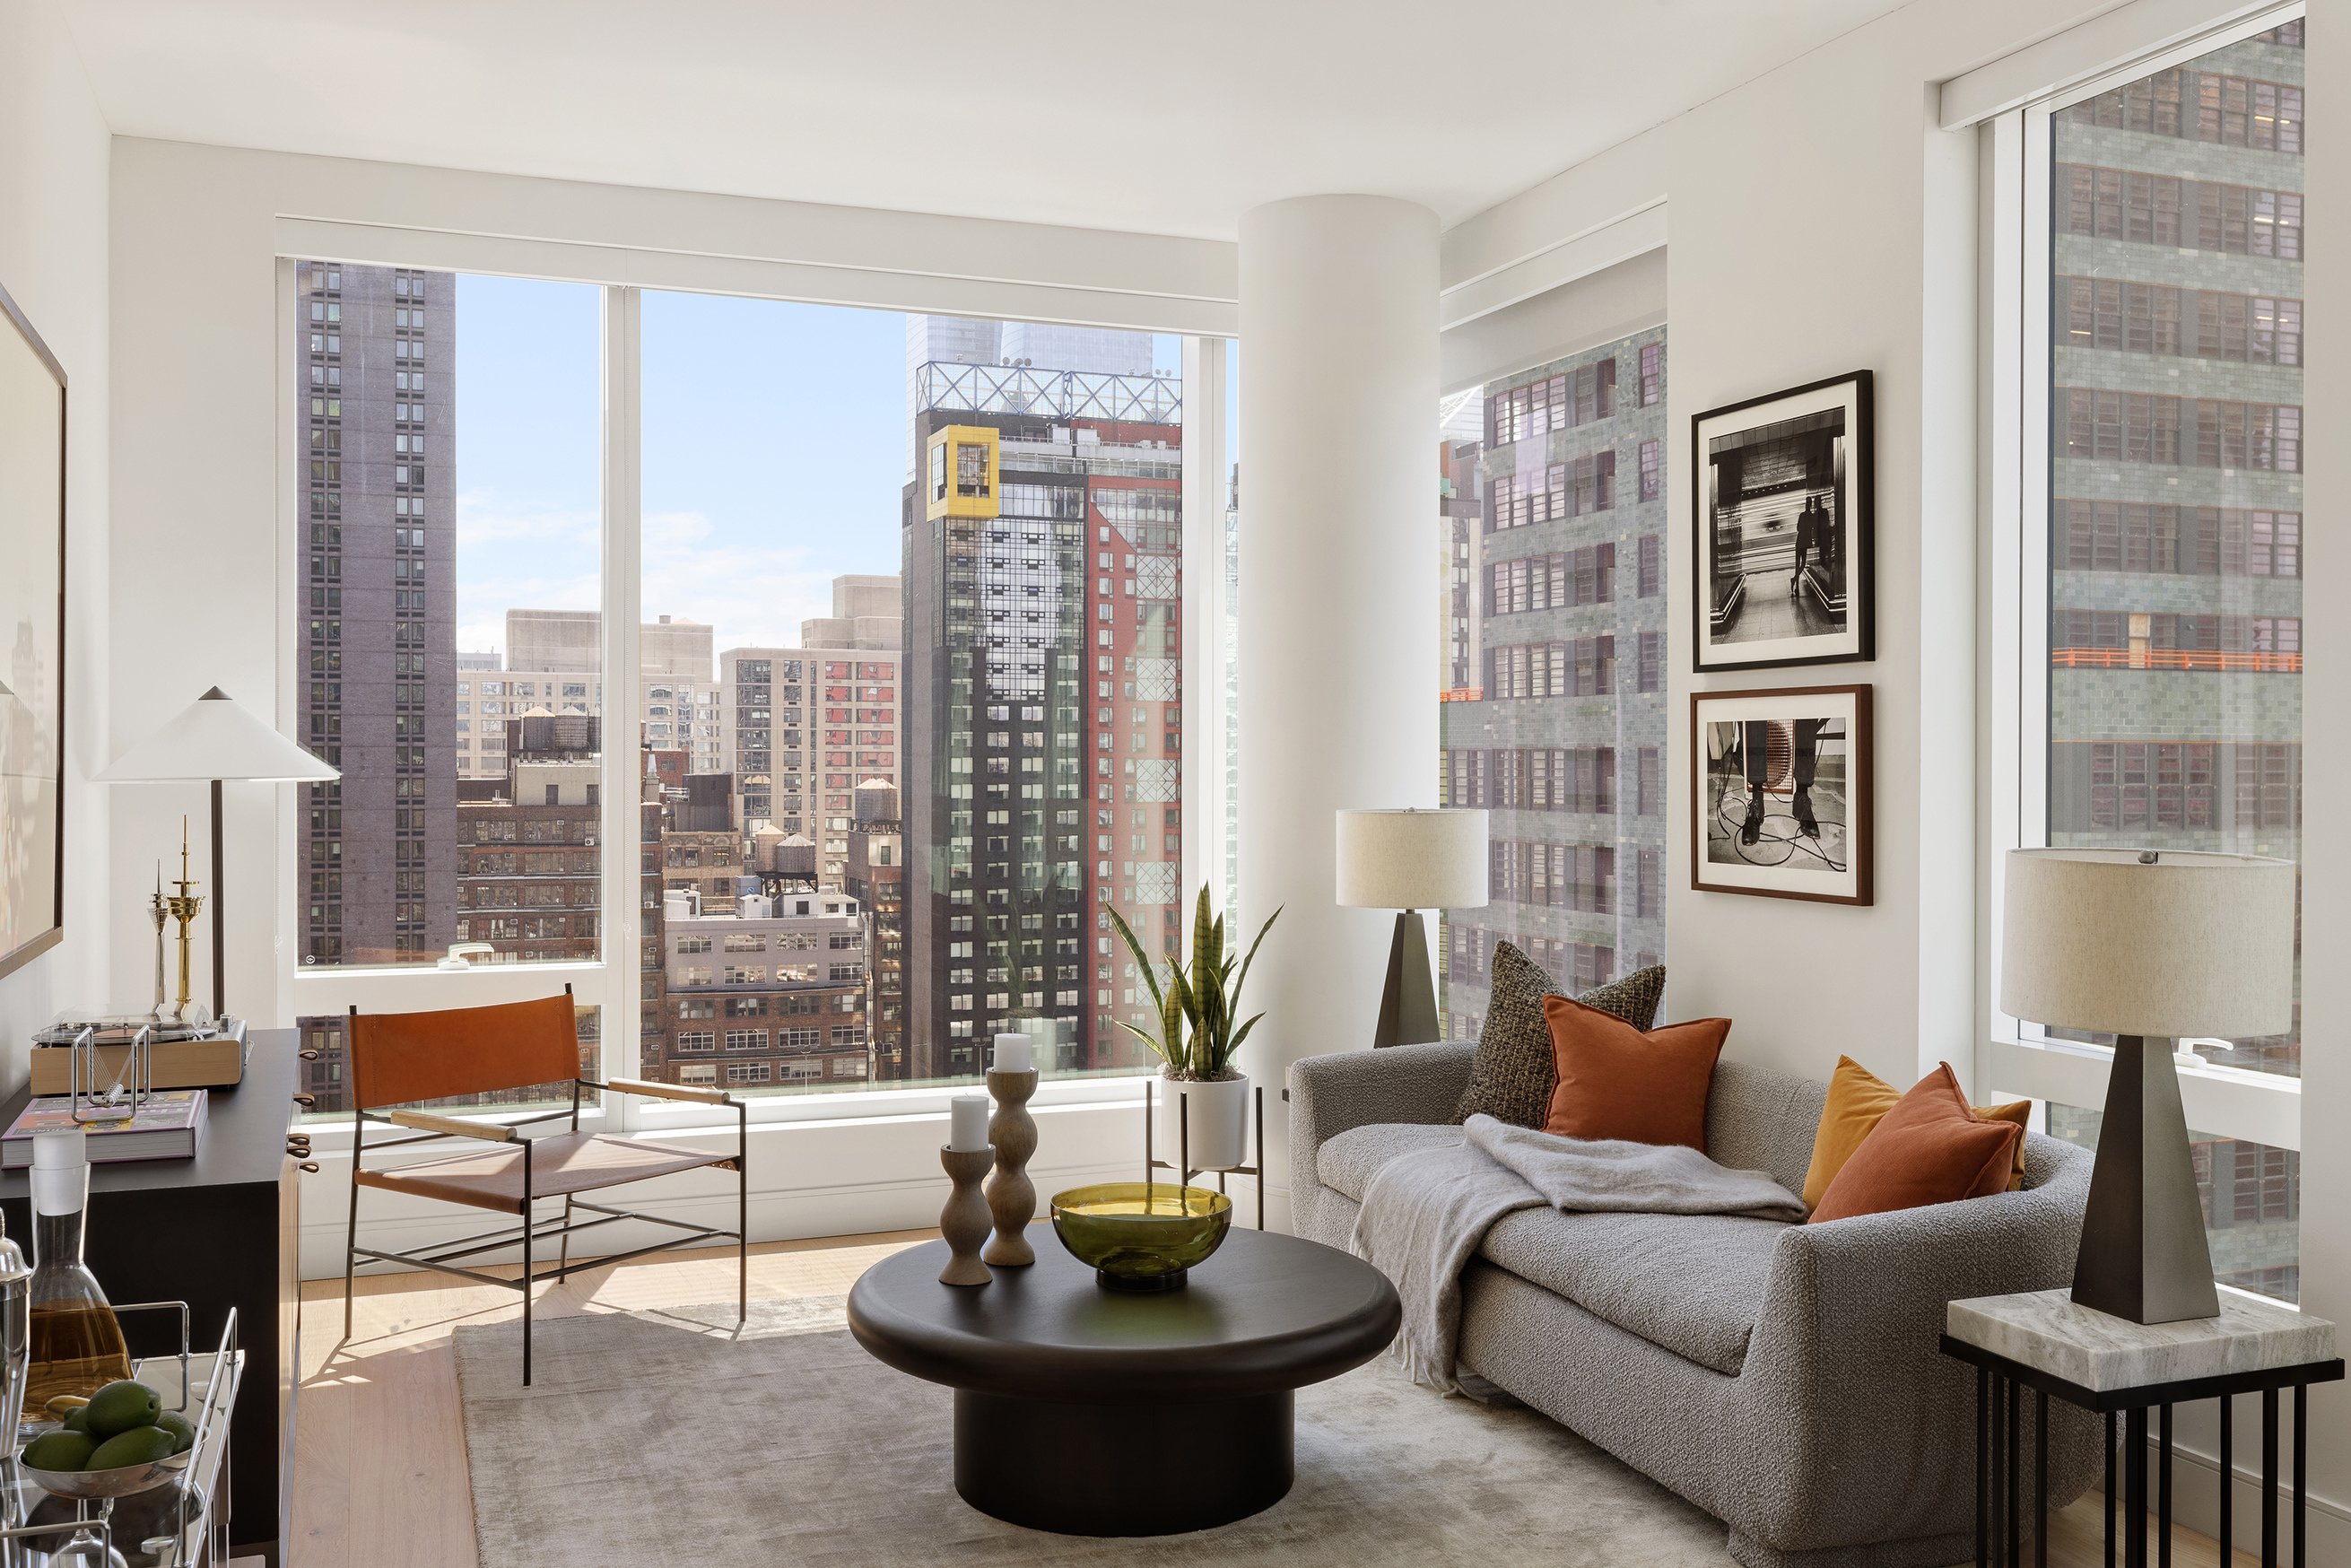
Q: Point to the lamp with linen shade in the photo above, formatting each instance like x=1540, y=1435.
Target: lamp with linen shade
x=1410, y=860
x=2158, y=946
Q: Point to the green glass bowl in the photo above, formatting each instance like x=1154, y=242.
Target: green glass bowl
x=1138, y=1236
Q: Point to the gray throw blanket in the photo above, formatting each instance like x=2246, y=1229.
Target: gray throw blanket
x=1426, y=1212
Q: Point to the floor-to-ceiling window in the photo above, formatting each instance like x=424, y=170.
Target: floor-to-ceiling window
x=908, y=717
x=1551, y=548
x=2174, y=520
x=445, y=440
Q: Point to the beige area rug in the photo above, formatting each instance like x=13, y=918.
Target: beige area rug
x=659, y=1439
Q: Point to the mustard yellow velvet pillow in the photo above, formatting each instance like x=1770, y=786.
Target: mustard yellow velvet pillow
x=1859, y=1099
x=1930, y=1148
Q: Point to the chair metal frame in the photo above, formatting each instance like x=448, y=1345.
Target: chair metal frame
x=532, y=1230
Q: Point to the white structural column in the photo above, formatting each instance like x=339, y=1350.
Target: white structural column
x=1338, y=607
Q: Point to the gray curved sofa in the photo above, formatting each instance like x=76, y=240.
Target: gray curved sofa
x=1784, y=1378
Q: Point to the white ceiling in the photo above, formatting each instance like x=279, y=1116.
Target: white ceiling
x=1168, y=118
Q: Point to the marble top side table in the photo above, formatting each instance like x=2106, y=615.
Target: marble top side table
x=2041, y=1340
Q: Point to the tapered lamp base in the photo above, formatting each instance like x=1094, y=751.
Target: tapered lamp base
x=1408, y=1003
x=2144, y=1257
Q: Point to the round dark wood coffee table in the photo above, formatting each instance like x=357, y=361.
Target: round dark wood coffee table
x=1069, y=1398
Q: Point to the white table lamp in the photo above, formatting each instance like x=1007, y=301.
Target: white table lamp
x=1410, y=861
x=2140, y=944
x=213, y=739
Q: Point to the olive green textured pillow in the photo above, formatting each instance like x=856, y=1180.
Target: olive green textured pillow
x=1511, y=1077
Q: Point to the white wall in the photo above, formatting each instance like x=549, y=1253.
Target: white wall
x=53, y=262
x=1820, y=224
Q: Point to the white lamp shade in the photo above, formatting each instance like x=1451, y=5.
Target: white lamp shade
x=2192, y=944
x=213, y=737
x=1412, y=860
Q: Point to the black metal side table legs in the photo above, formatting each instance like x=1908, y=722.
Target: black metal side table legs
x=2000, y=1498
x=2000, y=1501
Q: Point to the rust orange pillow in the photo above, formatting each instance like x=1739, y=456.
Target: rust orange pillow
x=1930, y=1148
x=1616, y=1081
x=1858, y=1099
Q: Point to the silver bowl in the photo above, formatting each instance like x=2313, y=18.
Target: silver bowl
x=122, y=1482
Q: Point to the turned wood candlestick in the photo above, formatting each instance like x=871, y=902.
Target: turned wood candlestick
x=1011, y=1196
x=964, y=1221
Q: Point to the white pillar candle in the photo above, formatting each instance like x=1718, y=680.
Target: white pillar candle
x=1012, y=1053
x=967, y=1131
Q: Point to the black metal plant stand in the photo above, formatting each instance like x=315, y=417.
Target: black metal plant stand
x=2002, y=1496
x=1183, y=1146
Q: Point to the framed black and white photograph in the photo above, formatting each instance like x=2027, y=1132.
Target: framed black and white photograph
x=1780, y=793
x=1781, y=528
x=32, y=641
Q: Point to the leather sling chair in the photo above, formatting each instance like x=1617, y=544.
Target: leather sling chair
x=401, y=1059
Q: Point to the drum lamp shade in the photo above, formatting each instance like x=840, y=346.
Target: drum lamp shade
x=2163, y=943
x=1412, y=859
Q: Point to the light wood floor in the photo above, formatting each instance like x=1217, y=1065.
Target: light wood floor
x=379, y=1457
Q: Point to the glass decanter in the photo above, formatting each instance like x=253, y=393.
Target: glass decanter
x=77, y=1342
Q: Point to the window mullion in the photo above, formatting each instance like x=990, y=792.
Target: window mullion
x=622, y=403
x=1205, y=467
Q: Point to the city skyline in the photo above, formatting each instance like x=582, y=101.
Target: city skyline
x=725, y=542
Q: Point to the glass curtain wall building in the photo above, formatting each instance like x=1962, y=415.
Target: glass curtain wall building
x=2176, y=518
x=1043, y=532
x=1553, y=530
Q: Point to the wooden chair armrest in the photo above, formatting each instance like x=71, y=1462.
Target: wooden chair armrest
x=669, y=1091
x=449, y=1126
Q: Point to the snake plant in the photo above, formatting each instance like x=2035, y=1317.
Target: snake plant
x=1195, y=1011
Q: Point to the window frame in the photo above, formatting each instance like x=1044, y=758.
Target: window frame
x=2015, y=355
x=611, y=982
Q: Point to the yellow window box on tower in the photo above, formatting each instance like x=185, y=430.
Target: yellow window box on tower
x=962, y=472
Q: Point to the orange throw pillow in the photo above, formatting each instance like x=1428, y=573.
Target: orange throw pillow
x=1614, y=1082
x=1930, y=1148
x=1858, y=1099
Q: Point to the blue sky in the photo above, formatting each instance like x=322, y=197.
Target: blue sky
x=775, y=448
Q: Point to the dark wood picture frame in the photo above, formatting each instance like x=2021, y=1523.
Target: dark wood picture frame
x=25, y=546
x=1856, y=880
x=1855, y=567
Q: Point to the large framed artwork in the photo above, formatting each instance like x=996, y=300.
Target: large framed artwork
x=33, y=624
x=1779, y=793
x=1782, y=528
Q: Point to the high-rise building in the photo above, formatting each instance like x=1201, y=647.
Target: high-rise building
x=373, y=347
x=876, y=879
x=766, y=993
x=677, y=702
x=486, y=696
x=2176, y=520
x=531, y=876
x=964, y=340
x=802, y=728
x=1044, y=737
x=1553, y=529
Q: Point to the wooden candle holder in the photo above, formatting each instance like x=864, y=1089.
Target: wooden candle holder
x=964, y=1221
x=1011, y=1196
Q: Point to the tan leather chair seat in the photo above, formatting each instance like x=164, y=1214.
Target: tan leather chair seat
x=560, y=1164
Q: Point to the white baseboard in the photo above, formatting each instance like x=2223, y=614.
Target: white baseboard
x=2196, y=1499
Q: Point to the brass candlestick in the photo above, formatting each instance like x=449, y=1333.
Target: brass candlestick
x=183, y=908
x=1011, y=1196
x=159, y=911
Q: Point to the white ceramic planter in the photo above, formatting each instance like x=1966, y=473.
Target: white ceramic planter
x=1219, y=1121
